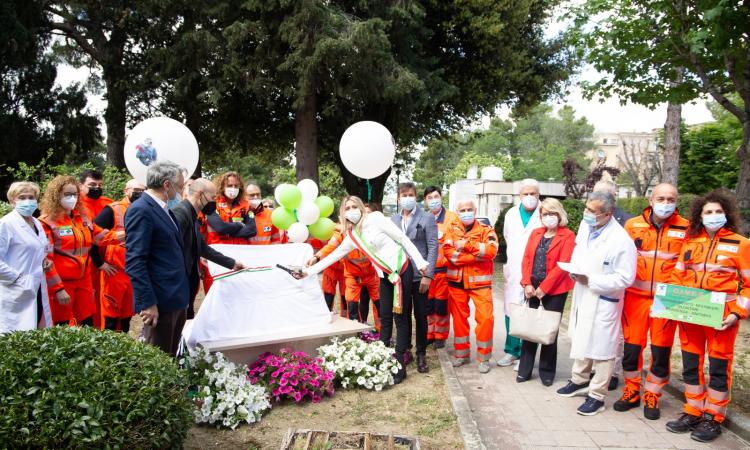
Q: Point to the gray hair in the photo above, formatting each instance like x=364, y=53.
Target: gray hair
x=466, y=200
x=607, y=199
x=162, y=171
x=606, y=186
x=528, y=182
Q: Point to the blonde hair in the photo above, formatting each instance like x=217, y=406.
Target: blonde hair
x=345, y=224
x=553, y=205
x=50, y=204
x=19, y=187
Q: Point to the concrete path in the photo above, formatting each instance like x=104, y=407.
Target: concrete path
x=495, y=412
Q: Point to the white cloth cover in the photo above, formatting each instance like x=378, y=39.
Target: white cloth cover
x=259, y=304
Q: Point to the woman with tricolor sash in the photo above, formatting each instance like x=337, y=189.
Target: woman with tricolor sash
x=389, y=250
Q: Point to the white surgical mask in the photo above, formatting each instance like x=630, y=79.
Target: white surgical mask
x=254, y=202
x=353, y=215
x=550, y=221
x=713, y=222
x=664, y=210
x=231, y=192
x=467, y=218
x=435, y=204
x=69, y=202
x=407, y=203
x=530, y=202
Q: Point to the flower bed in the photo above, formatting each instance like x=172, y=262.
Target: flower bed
x=357, y=363
x=221, y=392
x=292, y=375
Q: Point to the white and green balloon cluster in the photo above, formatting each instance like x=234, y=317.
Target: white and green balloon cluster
x=302, y=213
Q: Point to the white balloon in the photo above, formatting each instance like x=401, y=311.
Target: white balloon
x=308, y=213
x=297, y=233
x=367, y=149
x=159, y=139
x=309, y=190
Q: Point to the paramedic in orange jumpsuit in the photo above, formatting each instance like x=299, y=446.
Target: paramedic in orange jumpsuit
x=71, y=234
x=658, y=234
x=438, y=318
x=332, y=276
x=267, y=232
x=92, y=202
x=470, y=247
x=714, y=258
x=116, y=295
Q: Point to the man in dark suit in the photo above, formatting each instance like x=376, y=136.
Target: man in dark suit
x=154, y=260
x=421, y=229
x=201, y=196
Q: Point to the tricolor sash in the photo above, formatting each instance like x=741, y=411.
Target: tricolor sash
x=393, y=274
x=224, y=275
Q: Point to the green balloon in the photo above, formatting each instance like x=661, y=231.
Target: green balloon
x=325, y=205
x=282, y=218
x=322, y=229
x=290, y=196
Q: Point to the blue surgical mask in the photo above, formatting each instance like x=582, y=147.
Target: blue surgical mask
x=467, y=218
x=26, y=207
x=664, y=210
x=714, y=221
x=589, y=219
x=174, y=201
x=407, y=203
x=434, y=204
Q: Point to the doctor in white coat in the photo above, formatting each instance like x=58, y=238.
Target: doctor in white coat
x=605, y=264
x=520, y=221
x=23, y=253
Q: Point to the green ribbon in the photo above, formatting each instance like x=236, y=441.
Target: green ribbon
x=369, y=191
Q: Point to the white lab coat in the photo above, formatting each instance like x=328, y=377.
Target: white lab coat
x=385, y=239
x=516, y=236
x=609, y=261
x=22, y=252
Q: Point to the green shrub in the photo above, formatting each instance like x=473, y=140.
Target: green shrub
x=83, y=388
x=574, y=208
x=502, y=249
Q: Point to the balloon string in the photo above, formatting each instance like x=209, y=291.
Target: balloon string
x=369, y=191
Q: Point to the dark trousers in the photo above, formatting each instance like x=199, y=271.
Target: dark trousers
x=117, y=324
x=418, y=304
x=548, y=354
x=168, y=331
x=387, y=316
x=360, y=310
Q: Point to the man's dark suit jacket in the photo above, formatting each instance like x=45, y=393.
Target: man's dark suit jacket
x=153, y=258
x=194, y=246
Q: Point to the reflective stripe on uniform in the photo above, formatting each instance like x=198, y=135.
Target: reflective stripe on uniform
x=654, y=383
x=644, y=285
x=484, y=357
x=658, y=254
x=461, y=340
x=695, y=389
x=679, y=266
x=453, y=272
x=481, y=250
x=454, y=258
x=479, y=278
x=462, y=353
x=260, y=239
x=743, y=302
x=484, y=344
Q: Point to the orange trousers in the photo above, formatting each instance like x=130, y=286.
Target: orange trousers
x=331, y=277
x=116, y=296
x=208, y=280
x=96, y=287
x=81, y=307
x=696, y=341
x=359, y=305
x=637, y=324
x=483, y=314
x=438, y=318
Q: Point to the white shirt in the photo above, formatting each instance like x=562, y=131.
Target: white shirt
x=163, y=205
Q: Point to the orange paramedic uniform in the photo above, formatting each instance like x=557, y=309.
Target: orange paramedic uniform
x=72, y=237
x=438, y=319
x=658, y=250
x=267, y=233
x=91, y=208
x=229, y=211
x=116, y=296
x=469, y=255
x=720, y=265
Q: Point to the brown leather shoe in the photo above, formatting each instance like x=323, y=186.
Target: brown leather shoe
x=422, y=364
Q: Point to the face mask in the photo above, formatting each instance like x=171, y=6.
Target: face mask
x=135, y=196
x=255, y=202
x=467, y=218
x=664, y=210
x=174, y=201
x=94, y=193
x=26, y=207
x=435, y=204
x=530, y=202
x=231, y=193
x=550, y=221
x=209, y=208
x=353, y=215
x=407, y=203
x=714, y=221
x=589, y=219
x=69, y=202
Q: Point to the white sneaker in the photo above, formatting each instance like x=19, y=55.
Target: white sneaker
x=484, y=367
x=506, y=360
x=515, y=366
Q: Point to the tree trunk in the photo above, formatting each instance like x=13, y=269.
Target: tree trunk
x=671, y=166
x=306, y=137
x=114, y=118
x=743, y=178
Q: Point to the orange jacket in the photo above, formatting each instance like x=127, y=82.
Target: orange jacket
x=445, y=221
x=114, y=253
x=228, y=211
x=90, y=207
x=267, y=232
x=470, y=255
x=658, y=249
x=718, y=265
x=356, y=264
x=71, y=239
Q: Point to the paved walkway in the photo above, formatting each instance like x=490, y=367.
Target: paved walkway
x=529, y=415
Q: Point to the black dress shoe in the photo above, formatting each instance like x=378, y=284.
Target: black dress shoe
x=686, y=422
x=440, y=343
x=548, y=382
x=400, y=376
x=613, y=383
x=706, y=431
x=520, y=379
x=422, y=364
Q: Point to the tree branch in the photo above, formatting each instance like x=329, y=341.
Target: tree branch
x=82, y=42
